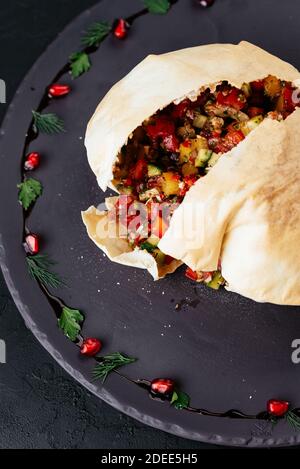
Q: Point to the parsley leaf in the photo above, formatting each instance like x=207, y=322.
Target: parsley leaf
x=180, y=400
x=29, y=191
x=158, y=7
x=80, y=63
x=69, y=322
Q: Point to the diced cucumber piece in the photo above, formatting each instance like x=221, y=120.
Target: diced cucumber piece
x=213, y=160
x=216, y=281
x=199, y=121
x=246, y=89
x=153, y=171
x=251, y=124
x=203, y=157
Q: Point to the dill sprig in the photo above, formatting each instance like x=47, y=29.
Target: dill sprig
x=39, y=268
x=109, y=363
x=96, y=33
x=157, y=7
x=293, y=420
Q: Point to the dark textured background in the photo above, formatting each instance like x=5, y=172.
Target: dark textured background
x=41, y=406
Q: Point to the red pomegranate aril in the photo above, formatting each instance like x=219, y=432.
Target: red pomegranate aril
x=162, y=386
x=277, y=408
x=32, y=161
x=32, y=244
x=121, y=29
x=206, y=3
x=57, y=91
x=90, y=347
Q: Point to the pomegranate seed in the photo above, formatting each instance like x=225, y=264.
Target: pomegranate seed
x=121, y=29
x=32, y=161
x=277, y=408
x=57, y=91
x=32, y=244
x=162, y=386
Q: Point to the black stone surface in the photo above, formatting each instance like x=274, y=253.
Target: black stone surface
x=41, y=405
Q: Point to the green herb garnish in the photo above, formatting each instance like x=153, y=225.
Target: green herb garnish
x=110, y=363
x=29, y=191
x=158, y=7
x=96, y=33
x=79, y=63
x=47, y=123
x=70, y=322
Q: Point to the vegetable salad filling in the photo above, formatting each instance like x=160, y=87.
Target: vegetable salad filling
x=178, y=145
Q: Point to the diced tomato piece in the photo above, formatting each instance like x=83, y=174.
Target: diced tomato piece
x=189, y=181
x=128, y=182
x=232, y=127
x=285, y=103
x=289, y=104
x=168, y=260
x=181, y=109
x=233, y=138
x=171, y=143
x=257, y=85
x=254, y=111
x=206, y=275
x=234, y=98
x=163, y=127
x=139, y=170
x=191, y=274
x=186, y=144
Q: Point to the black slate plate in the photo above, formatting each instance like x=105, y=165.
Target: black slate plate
x=227, y=352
